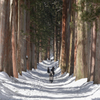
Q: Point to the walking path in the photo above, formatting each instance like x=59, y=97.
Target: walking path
x=35, y=85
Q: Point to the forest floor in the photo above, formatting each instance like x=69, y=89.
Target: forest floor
x=35, y=85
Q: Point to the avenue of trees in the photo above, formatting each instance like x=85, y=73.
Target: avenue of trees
x=30, y=29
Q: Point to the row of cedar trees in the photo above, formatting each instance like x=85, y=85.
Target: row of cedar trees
x=14, y=46
x=76, y=48
x=17, y=51
x=80, y=48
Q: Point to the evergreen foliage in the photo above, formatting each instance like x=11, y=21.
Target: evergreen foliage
x=45, y=14
x=90, y=10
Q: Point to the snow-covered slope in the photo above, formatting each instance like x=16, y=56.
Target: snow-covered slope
x=35, y=85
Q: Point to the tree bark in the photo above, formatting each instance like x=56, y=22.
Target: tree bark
x=55, y=32
x=2, y=30
x=68, y=32
x=35, y=59
x=14, y=55
x=63, y=53
x=40, y=52
x=73, y=40
x=97, y=64
x=48, y=49
x=93, y=52
x=28, y=37
x=22, y=36
x=79, y=71
x=18, y=30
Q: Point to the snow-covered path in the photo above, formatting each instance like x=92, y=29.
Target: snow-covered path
x=35, y=85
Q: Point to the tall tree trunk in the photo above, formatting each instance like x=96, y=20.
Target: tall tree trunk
x=85, y=50
x=63, y=53
x=33, y=55
x=35, y=59
x=97, y=65
x=55, y=31
x=10, y=37
x=93, y=52
x=79, y=57
x=28, y=37
x=18, y=23
x=2, y=30
x=51, y=48
x=48, y=49
x=40, y=52
x=73, y=40
x=14, y=59
x=59, y=40
x=57, y=44
x=5, y=53
x=68, y=35
x=60, y=47
x=89, y=36
x=23, y=37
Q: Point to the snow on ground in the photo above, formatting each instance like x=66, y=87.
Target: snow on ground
x=35, y=85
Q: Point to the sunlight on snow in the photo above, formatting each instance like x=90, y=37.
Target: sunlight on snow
x=35, y=85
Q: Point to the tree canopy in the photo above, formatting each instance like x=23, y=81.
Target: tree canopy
x=44, y=16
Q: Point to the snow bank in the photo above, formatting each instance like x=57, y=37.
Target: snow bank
x=35, y=85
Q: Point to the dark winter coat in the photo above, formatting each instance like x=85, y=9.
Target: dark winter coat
x=53, y=70
x=48, y=70
x=51, y=77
